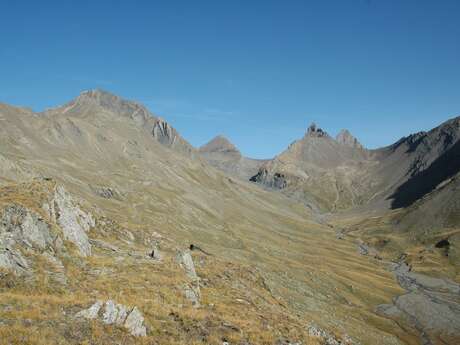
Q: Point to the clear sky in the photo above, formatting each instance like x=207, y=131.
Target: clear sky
x=256, y=71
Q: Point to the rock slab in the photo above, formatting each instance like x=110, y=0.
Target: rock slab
x=116, y=314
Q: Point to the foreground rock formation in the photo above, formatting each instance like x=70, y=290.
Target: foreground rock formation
x=43, y=230
x=192, y=288
x=117, y=314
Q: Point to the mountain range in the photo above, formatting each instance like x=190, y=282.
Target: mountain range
x=104, y=204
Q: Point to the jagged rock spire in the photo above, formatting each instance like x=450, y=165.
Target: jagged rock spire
x=315, y=131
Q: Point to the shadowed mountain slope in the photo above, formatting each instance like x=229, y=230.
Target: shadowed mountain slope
x=423, y=182
x=340, y=174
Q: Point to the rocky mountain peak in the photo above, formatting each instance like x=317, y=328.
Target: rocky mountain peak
x=113, y=103
x=93, y=101
x=346, y=138
x=314, y=131
x=99, y=95
x=219, y=144
x=90, y=103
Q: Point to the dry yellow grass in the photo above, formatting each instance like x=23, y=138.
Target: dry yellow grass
x=271, y=274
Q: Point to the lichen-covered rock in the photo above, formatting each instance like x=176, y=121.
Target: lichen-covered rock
x=122, y=314
x=25, y=226
x=110, y=313
x=117, y=314
x=192, y=289
x=135, y=323
x=10, y=258
x=184, y=258
x=20, y=227
x=74, y=222
x=91, y=312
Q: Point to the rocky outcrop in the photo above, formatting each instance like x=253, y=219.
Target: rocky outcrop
x=275, y=180
x=21, y=228
x=116, y=314
x=315, y=131
x=10, y=258
x=92, y=312
x=106, y=192
x=25, y=226
x=74, y=222
x=184, y=258
x=27, y=229
x=192, y=287
x=166, y=135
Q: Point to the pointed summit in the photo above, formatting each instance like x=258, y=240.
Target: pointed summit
x=114, y=103
x=219, y=144
x=99, y=95
x=346, y=138
x=92, y=101
x=160, y=129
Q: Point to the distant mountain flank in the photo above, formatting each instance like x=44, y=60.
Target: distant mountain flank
x=224, y=155
x=91, y=101
x=219, y=144
x=326, y=173
x=340, y=173
x=319, y=170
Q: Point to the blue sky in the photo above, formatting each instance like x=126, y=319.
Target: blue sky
x=256, y=71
